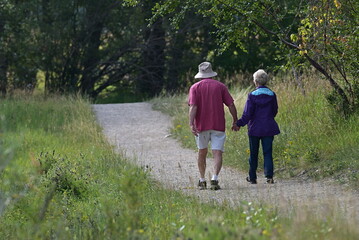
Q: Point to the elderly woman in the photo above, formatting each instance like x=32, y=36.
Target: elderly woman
x=259, y=113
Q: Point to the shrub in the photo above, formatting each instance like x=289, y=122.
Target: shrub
x=66, y=174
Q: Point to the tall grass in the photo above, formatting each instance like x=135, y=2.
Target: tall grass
x=65, y=182
x=314, y=139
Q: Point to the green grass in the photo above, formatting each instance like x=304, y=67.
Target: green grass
x=314, y=138
x=123, y=95
x=60, y=179
x=65, y=182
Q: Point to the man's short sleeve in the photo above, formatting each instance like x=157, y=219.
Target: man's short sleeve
x=192, y=96
x=227, y=98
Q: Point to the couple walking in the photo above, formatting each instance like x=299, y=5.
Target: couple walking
x=207, y=98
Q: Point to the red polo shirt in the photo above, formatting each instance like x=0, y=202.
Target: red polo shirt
x=209, y=95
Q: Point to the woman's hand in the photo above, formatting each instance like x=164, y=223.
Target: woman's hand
x=235, y=127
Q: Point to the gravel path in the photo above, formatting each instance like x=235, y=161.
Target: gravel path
x=142, y=136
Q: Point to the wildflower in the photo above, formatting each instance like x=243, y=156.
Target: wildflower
x=337, y=4
x=266, y=233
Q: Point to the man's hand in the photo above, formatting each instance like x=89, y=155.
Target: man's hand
x=233, y=111
x=192, y=115
x=194, y=130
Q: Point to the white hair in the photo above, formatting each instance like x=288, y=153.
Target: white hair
x=260, y=77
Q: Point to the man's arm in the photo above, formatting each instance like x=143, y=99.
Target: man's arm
x=192, y=115
x=233, y=110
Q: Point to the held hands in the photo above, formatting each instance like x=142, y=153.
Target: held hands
x=235, y=127
x=195, y=131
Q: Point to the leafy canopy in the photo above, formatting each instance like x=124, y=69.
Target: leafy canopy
x=323, y=33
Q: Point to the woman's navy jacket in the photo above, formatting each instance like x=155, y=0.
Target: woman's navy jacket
x=259, y=113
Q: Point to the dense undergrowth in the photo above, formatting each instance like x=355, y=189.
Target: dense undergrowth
x=60, y=179
x=316, y=141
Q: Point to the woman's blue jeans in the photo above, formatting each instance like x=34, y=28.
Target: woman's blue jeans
x=267, y=146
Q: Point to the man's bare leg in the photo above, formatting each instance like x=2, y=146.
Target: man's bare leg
x=202, y=155
x=217, y=155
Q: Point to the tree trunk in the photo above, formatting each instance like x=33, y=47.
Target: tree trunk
x=92, y=36
x=153, y=59
x=151, y=79
x=175, y=54
x=90, y=61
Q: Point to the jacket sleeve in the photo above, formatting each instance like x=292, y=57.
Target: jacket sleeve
x=247, y=112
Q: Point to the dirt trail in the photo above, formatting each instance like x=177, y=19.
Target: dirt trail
x=142, y=135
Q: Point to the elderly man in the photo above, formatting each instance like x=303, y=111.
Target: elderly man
x=207, y=119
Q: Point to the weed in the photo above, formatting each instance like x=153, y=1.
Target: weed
x=65, y=174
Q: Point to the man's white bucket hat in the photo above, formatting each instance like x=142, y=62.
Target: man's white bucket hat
x=205, y=71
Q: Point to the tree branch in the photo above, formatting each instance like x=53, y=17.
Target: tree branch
x=332, y=82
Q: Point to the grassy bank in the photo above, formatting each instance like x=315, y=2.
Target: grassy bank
x=60, y=179
x=315, y=141
x=63, y=181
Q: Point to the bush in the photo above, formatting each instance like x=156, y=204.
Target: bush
x=64, y=174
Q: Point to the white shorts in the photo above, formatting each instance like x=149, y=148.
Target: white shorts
x=217, y=139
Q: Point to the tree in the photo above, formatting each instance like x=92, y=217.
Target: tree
x=78, y=46
x=289, y=23
x=16, y=47
x=191, y=42
x=186, y=47
x=83, y=51
x=328, y=38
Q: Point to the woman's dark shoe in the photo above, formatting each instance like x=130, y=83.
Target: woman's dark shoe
x=251, y=181
x=270, y=181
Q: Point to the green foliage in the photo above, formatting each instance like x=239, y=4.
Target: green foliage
x=235, y=21
x=108, y=47
x=80, y=46
x=5, y=157
x=5, y=151
x=66, y=176
x=321, y=33
x=93, y=46
x=328, y=34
